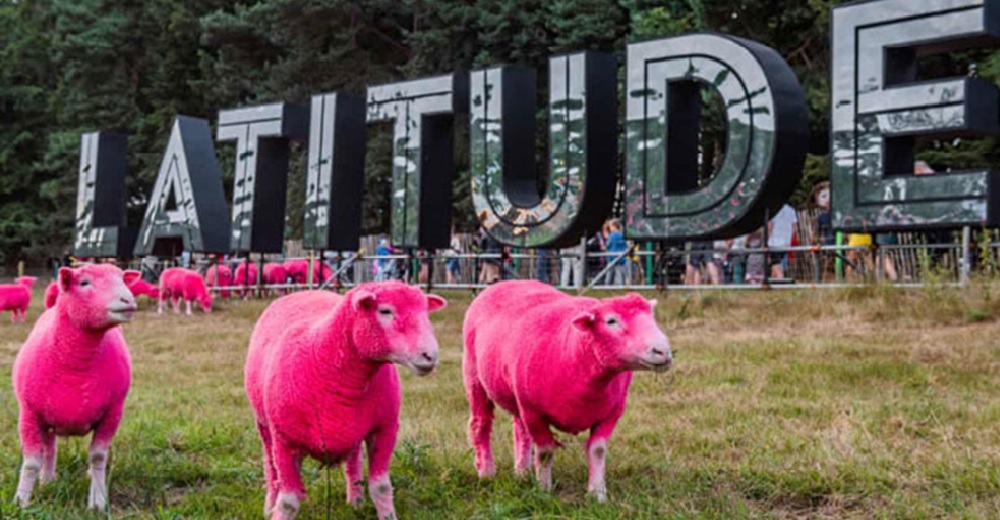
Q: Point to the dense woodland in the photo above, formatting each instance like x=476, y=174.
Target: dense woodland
x=71, y=66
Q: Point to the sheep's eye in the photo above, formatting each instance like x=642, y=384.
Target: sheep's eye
x=84, y=283
x=385, y=312
x=612, y=322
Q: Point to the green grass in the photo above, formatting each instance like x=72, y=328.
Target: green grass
x=864, y=403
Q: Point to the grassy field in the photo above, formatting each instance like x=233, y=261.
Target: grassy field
x=865, y=403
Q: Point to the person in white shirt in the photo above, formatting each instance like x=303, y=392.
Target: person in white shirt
x=571, y=267
x=780, y=231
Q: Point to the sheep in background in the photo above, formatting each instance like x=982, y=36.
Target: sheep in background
x=219, y=275
x=16, y=297
x=178, y=284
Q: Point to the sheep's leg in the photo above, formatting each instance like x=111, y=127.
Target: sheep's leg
x=188, y=304
x=287, y=462
x=597, y=452
x=48, y=457
x=30, y=469
x=270, y=474
x=161, y=302
x=380, y=446
x=32, y=449
x=98, y=456
x=354, y=477
x=176, y=302
x=545, y=447
x=522, y=447
x=98, y=460
x=480, y=420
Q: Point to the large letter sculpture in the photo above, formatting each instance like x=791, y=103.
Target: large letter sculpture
x=100, y=200
x=582, y=150
x=187, y=210
x=879, y=106
x=423, y=165
x=262, y=136
x=767, y=138
x=335, y=177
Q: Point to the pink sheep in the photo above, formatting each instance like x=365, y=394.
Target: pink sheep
x=321, y=272
x=16, y=297
x=319, y=378
x=176, y=284
x=219, y=275
x=297, y=270
x=51, y=295
x=73, y=373
x=246, y=278
x=275, y=274
x=554, y=361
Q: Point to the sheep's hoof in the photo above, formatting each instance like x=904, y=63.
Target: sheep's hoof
x=600, y=495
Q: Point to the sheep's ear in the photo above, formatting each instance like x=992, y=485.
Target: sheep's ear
x=652, y=304
x=131, y=277
x=435, y=302
x=66, y=276
x=363, y=300
x=584, y=321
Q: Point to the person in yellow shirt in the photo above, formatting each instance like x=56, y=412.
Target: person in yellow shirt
x=854, y=256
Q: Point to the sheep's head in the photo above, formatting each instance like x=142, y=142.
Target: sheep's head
x=296, y=270
x=141, y=287
x=392, y=324
x=205, y=301
x=96, y=296
x=151, y=290
x=27, y=281
x=625, y=334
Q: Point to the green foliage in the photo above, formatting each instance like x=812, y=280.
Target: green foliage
x=70, y=66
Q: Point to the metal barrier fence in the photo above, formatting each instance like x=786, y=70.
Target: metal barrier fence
x=644, y=268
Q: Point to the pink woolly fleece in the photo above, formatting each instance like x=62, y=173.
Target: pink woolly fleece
x=16, y=297
x=219, y=276
x=554, y=361
x=320, y=381
x=298, y=271
x=245, y=277
x=275, y=274
x=73, y=372
x=177, y=283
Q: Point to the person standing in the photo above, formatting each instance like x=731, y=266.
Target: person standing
x=543, y=269
x=492, y=263
x=618, y=246
x=384, y=266
x=571, y=266
x=780, y=231
x=454, y=265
